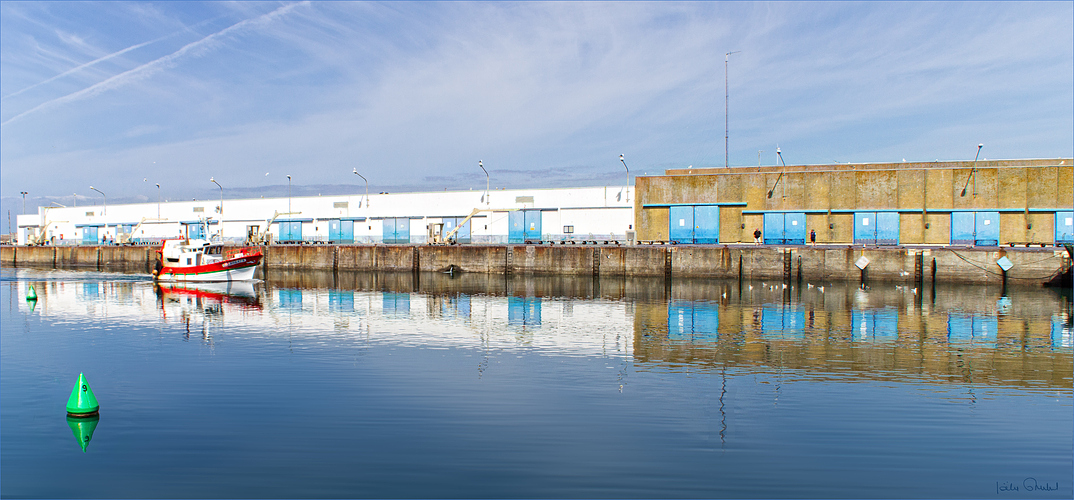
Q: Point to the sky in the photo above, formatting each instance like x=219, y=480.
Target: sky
x=122, y=96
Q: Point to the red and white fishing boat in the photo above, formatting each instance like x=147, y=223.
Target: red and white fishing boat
x=202, y=260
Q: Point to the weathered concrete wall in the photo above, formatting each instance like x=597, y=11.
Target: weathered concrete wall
x=959, y=265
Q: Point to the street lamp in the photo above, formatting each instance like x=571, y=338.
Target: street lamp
x=973, y=173
x=221, y=209
x=158, y=200
x=486, y=197
x=24, y=193
x=726, y=99
x=288, y=194
x=366, y=189
x=780, y=155
x=627, y=177
x=105, y=199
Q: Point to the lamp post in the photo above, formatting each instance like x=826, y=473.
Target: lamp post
x=24, y=193
x=726, y=100
x=288, y=195
x=486, y=197
x=221, y=210
x=158, y=200
x=105, y=199
x=973, y=173
x=366, y=189
x=627, y=177
x=74, y=199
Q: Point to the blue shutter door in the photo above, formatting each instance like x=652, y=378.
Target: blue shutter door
x=773, y=228
x=794, y=230
x=515, y=221
x=962, y=228
x=1064, y=227
x=706, y=224
x=681, y=224
x=887, y=228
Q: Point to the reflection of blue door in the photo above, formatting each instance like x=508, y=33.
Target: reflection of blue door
x=782, y=323
x=89, y=235
x=986, y=225
x=1064, y=227
x=874, y=325
x=693, y=321
x=290, y=299
x=396, y=304
x=524, y=311
x=533, y=225
x=706, y=224
x=681, y=224
x=976, y=330
x=339, y=301
x=962, y=228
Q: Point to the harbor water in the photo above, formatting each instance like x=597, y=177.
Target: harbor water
x=352, y=385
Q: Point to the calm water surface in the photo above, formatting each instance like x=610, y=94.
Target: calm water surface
x=362, y=385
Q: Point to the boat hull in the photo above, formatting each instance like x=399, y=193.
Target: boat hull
x=238, y=269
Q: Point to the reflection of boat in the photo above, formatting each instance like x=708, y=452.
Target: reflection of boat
x=200, y=260
x=229, y=292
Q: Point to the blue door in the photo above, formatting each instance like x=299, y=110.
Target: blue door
x=987, y=228
x=346, y=231
x=460, y=236
x=773, y=228
x=865, y=228
x=887, y=228
x=89, y=236
x=681, y=224
x=962, y=228
x=794, y=230
x=532, y=228
x=706, y=224
x=402, y=230
x=333, y=230
x=389, y=231
x=1064, y=227
x=515, y=222
x=295, y=231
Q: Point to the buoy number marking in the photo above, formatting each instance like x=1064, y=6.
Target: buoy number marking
x=84, y=388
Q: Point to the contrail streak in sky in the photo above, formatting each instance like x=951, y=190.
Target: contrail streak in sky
x=147, y=69
x=104, y=58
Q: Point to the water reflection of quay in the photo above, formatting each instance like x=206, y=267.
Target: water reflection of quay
x=977, y=334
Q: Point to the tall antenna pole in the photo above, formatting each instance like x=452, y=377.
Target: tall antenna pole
x=726, y=99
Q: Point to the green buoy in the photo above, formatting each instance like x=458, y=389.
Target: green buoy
x=82, y=402
x=83, y=428
x=32, y=294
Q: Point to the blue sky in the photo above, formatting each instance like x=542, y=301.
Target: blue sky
x=122, y=96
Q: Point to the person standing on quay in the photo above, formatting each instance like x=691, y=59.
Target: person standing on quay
x=813, y=237
x=757, y=236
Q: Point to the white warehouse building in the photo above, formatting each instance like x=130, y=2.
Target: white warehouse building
x=497, y=217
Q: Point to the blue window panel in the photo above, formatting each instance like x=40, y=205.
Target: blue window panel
x=89, y=235
x=681, y=224
x=865, y=228
x=706, y=322
x=782, y=323
x=879, y=325
x=773, y=228
x=524, y=311
x=987, y=228
x=1062, y=333
x=339, y=301
x=515, y=223
x=977, y=331
x=290, y=299
x=1064, y=227
x=706, y=224
x=962, y=228
x=794, y=230
x=680, y=320
x=887, y=228
x=532, y=226
x=396, y=304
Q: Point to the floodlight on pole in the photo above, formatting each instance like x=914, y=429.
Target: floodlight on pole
x=355, y=172
x=487, y=197
x=105, y=199
x=158, y=200
x=288, y=194
x=621, y=159
x=24, y=193
x=221, y=210
x=973, y=173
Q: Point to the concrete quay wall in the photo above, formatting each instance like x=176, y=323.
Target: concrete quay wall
x=830, y=263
